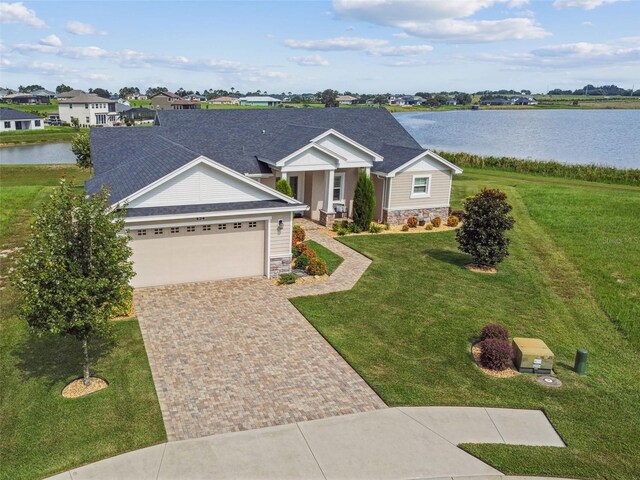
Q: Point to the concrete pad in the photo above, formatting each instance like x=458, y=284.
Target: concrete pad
x=269, y=453
x=385, y=444
x=60, y=476
x=137, y=465
x=525, y=427
x=457, y=424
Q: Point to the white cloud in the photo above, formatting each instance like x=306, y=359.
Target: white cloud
x=443, y=20
x=587, y=24
x=79, y=28
x=62, y=51
x=51, y=40
x=400, y=35
x=400, y=51
x=335, y=44
x=570, y=55
x=310, y=61
x=411, y=62
x=585, y=4
x=18, y=13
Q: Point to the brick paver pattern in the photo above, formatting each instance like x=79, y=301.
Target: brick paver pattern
x=236, y=355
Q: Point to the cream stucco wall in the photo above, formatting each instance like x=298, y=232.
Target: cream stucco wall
x=402, y=185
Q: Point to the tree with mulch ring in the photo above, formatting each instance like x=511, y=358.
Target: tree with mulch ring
x=483, y=233
x=74, y=271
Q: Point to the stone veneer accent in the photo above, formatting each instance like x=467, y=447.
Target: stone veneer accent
x=399, y=217
x=327, y=219
x=278, y=265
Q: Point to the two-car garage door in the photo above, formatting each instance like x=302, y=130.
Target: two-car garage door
x=197, y=253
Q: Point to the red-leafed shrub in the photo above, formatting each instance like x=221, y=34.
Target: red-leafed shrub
x=437, y=221
x=412, y=222
x=317, y=266
x=298, y=235
x=452, y=221
x=495, y=354
x=493, y=330
x=300, y=249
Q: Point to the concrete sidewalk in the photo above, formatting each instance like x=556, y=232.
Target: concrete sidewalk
x=395, y=443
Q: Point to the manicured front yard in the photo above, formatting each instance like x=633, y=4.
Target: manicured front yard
x=42, y=433
x=406, y=327
x=333, y=260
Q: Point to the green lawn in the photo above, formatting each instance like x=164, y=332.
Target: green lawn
x=42, y=433
x=407, y=325
x=333, y=260
x=48, y=134
x=37, y=109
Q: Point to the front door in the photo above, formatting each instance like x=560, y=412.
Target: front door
x=293, y=181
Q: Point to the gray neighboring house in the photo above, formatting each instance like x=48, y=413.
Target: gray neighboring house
x=200, y=185
x=12, y=120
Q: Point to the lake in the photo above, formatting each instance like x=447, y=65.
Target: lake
x=608, y=137
x=37, y=153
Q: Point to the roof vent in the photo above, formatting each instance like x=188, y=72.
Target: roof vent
x=264, y=131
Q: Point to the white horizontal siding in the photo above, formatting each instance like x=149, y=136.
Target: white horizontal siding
x=310, y=159
x=402, y=186
x=354, y=156
x=426, y=164
x=201, y=184
x=281, y=237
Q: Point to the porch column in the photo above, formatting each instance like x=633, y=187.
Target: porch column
x=367, y=170
x=328, y=197
x=283, y=175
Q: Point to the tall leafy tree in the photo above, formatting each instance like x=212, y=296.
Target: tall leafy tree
x=101, y=92
x=74, y=271
x=483, y=233
x=63, y=88
x=364, y=201
x=81, y=148
x=329, y=98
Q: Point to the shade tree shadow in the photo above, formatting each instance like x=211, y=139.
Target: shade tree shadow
x=452, y=257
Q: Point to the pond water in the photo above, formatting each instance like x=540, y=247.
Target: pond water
x=37, y=154
x=608, y=137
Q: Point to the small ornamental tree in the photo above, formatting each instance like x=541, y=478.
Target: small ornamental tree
x=364, y=202
x=81, y=148
x=486, y=220
x=284, y=187
x=74, y=271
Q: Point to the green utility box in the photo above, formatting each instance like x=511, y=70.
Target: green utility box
x=532, y=356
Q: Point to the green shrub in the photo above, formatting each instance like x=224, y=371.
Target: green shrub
x=302, y=261
x=405, y=228
x=124, y=309
x=283, y=186
x=428, y=226
x=387, y=226
x=342, y=231
x=317, y=266
x=287, y=278
x=364, y=201
x=436, y=222
x=482, y=234
x=375, y=228
x=452, y=221
x=298, y=235
x=336, y=226
x=355, y=228
x=412, y=222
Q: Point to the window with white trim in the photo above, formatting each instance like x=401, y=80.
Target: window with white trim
x=237, y=225
x=253, y=224
x=158, y=231
x=175, y=229
x=141, y=233
x=222, y=226
x=421, y=186
x=338, y=187
x=206, y=228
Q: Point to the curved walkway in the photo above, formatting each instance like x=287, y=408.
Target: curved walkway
x=394, y=443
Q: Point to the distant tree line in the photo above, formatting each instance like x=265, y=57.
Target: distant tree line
x=608, y=90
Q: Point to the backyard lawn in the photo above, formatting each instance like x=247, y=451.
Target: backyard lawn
x=48, y=134
x=42, y=433
x=571, y=279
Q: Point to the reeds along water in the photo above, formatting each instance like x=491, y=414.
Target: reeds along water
x=588, y=172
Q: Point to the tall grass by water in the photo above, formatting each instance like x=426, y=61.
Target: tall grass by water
x=589, y=172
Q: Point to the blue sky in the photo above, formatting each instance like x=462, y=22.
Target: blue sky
x=306, y=46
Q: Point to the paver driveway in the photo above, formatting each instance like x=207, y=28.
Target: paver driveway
x=236, y=355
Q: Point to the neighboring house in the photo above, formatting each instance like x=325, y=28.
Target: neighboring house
x=136, y=96
x=406, y=100
x=4, y=92
x=496, y=101
x=37, y=97
x=525, y=101
x=139, y=114
x=346, y=99
x=90, y=110
x=260, y=101
x=452, y=101
x=11, y=120
x=171, y=101
x=200, y=185
x=69, y=94
x=224, y=101
x=196, y=98
x=53, y=118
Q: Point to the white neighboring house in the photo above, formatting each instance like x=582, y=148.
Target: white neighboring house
x=11, y=120
x=90, y=110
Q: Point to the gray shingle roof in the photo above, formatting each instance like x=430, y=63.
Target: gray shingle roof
x=395, y=156
x=12, y=114
x=128, y=159
x=210, y=207
x=86, y=98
